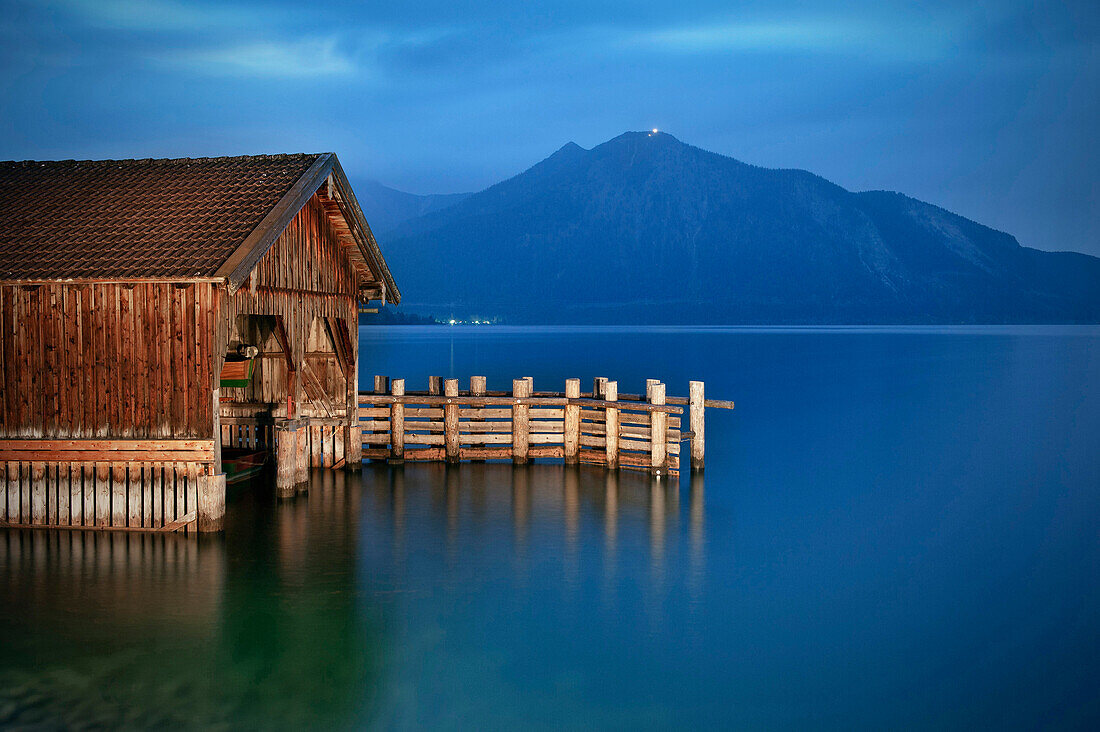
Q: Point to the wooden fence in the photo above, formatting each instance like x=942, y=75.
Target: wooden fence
x=444, y=423
x=103, y=484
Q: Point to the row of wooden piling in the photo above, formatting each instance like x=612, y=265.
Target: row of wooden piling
x=602, y=426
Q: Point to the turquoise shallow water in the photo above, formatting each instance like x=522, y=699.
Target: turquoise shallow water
x=896, y=528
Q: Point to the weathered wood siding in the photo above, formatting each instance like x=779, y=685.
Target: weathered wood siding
x=107, y=361
x=306, y=279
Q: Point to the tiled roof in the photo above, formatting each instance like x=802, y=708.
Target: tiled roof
x=135, y=218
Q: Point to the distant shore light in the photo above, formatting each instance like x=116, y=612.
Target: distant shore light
x=654, y=130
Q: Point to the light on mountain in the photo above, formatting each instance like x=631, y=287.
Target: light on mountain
x=654, y=132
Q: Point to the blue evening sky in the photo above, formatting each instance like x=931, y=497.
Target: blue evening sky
x=990, y=109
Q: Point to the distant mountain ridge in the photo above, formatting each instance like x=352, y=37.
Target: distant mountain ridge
x=387, y=207
x=647, y=229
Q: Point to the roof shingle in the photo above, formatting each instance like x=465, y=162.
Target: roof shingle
x=164, y=219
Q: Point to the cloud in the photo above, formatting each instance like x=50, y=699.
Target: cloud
x=912, y=40
x=300, y=58
x=163, y=15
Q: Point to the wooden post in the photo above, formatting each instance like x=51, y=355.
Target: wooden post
x=477, y=388
x=381, y=384
x=353, y=447
x=301, y=458
x=435, y=385
x=397, y=424
x=450, y=421
x=598, y=387
x=211, y=508
x=520, y=422
x=611, y=394
x=658, y=430
x=572, y=424
x=697, y=405
x=286, y=460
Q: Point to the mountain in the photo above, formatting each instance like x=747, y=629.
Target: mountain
x=387, y=207
x=647, y=229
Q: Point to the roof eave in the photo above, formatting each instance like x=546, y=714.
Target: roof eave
x=364, y=237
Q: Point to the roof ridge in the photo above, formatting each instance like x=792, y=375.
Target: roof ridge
x=152, y=161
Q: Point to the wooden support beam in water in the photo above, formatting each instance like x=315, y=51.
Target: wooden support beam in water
x=478, y=386
x=520, y=417
x=658, y=431
x=572, y=421
x=210, y=513
x=696, y=423
x=450, y=421
x=286, y=460
x=397, y=423
x=611, y=422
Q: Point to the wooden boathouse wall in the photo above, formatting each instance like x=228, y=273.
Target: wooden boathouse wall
x=107, y=414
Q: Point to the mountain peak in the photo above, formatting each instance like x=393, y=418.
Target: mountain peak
x=568, y=151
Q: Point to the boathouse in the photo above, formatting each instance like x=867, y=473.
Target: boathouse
x=150, y=309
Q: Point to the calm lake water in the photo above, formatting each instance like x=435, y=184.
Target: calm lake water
x=897, y=528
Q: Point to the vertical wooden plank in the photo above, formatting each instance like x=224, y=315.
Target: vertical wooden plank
x=339, y=436
x=76, y=494
x=146, y=495
x=572, y=421
x=191, y=498
x=25, y=493
x=104, y=400
x=450, y=421
x=112, y=363
x=140, y=359
x=130, y=354
x=63, y=394
x=119, y=514
x=658, y=431
x=435, y=385
x=89, y=489
x=178, y=361
x=61, y=471
x=40, y=377
x=166, y=386
x=73, y=362
x=158, y=494
x=611, y=422
x=697, y=405
x=50, y=482
x=14, y=514
x=172, y=504
x=134, y=493
x=38, y=493
x=25, y=369
x=316, y=447
x=102, y=494
x=5, y=357
x=520, y=422
x=50, y=376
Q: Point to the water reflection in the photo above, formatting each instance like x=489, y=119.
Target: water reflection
x=325, y=609
x=260, y=627
x=564, y=520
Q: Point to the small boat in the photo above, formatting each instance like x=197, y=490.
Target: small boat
x=240, y=464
